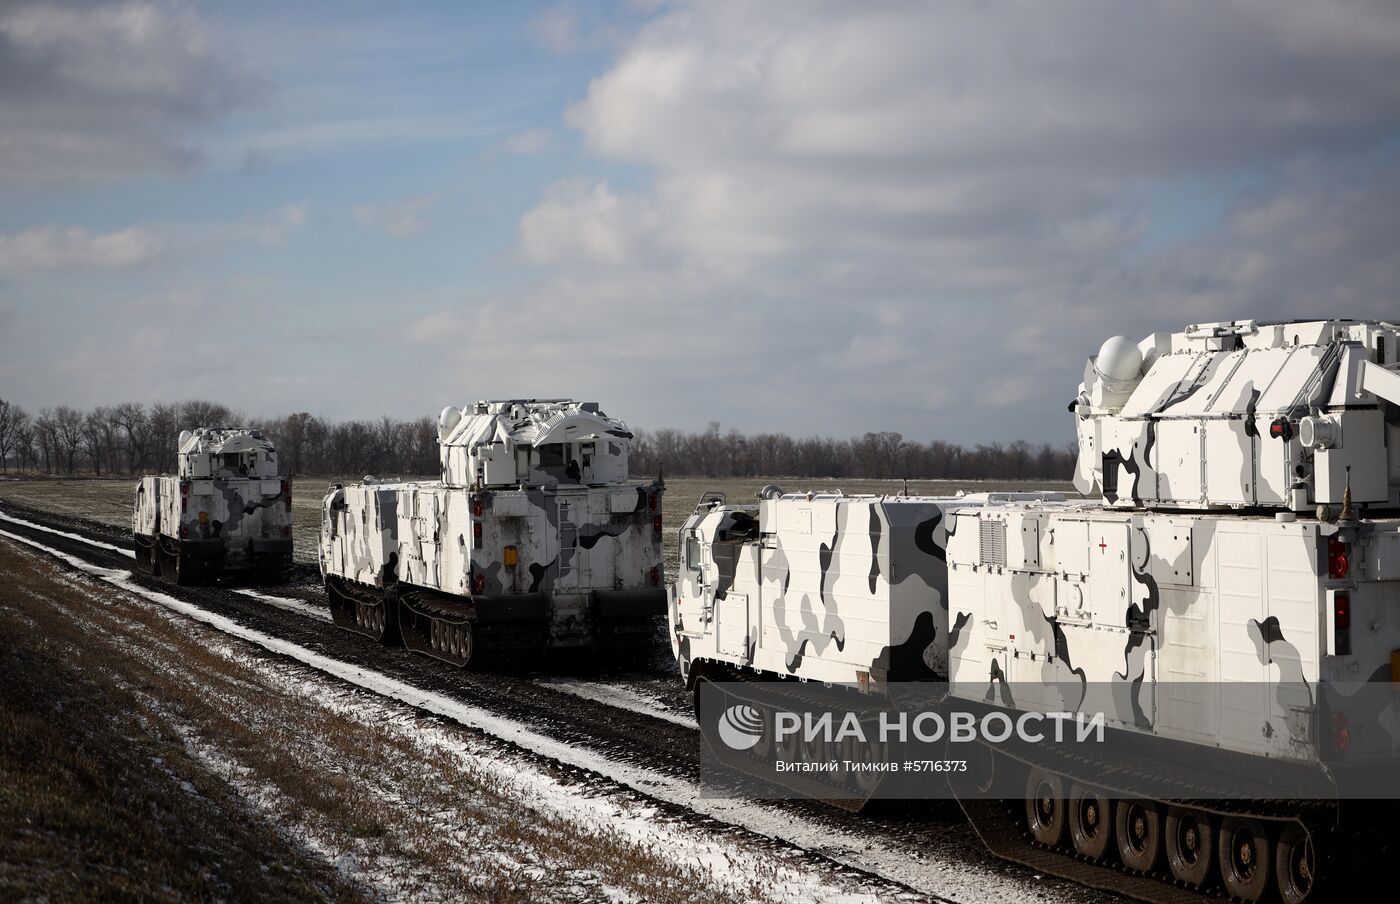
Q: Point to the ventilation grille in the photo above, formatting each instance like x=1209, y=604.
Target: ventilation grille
x=992, y=542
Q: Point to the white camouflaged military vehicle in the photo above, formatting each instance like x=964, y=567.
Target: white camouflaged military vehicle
x=1235, y=592
x=817, y=587
x=227, y=511
x=534, y=538
x=1229, y=599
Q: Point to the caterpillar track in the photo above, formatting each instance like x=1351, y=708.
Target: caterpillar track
x=1184, y=850
x=1159, y=851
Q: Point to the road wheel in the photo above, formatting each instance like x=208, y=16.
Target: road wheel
x=1246, y=856
x=1090, y=821
x=464, y=643
x=1190, y=846
x=814, y=749
x=763, y=749
x=1138, y=828
x=789, y=747
x=1295, y=864
x=1045, y=806
x=868, y=781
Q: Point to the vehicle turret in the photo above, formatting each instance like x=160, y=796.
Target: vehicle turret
x=1244, y=414
x=211, y=452
x=532, y=442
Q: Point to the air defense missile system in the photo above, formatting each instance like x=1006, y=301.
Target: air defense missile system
x=1226, y=595
x=227, y=511
x=534, y=538
x=1233, y=592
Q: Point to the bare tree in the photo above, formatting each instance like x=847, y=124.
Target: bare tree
x=201, y=413
x=68, y=435
x=96, y=432
x=10, y=418
x=164, y=429
x=46, y=436
x=292, y=439
x=131, y=420
x=24, y=442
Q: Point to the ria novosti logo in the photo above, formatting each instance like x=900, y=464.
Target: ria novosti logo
x=740, y=726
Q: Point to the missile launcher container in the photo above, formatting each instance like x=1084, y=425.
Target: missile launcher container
x=534, y=538
x=225, y=512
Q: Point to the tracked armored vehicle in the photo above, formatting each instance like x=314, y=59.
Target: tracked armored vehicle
x=534, y=539
x=1227, y=596
x=1233, y=596
x=225, y=512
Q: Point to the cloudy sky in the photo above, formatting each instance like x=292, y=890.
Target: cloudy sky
x=811, y=217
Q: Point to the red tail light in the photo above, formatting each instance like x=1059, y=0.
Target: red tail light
x=479, y=582
x=1341, y=624
x=1338, y=562
x=655, y=576
x=477, y=507
x=656, y=524
x=1341, y=735
x=476, y=533
x=651, y=502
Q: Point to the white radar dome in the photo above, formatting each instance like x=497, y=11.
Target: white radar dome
x=184, y=437
x=1120, y=360
x=450, y=417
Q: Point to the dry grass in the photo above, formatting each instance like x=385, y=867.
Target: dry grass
x=98, y=684
x=99, y=803
x=109, y=500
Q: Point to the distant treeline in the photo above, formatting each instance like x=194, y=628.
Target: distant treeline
x=712, y=453
x=132, y=438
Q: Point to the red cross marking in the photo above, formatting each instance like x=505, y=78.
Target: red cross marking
x=1103, y=547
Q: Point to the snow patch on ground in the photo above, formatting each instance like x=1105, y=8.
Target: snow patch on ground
x=619, y=697
x=879, y=857
x=59, y=533
x=638, y=821
x=318, y=613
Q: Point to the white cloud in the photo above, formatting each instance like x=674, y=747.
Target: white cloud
x=578, y=219
x=51, y=248
x=531, y=141
x=400, y=219
x=991, y=85
x=103, y=90
x=566, y=28
x=276, y=229
x=867, y=207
